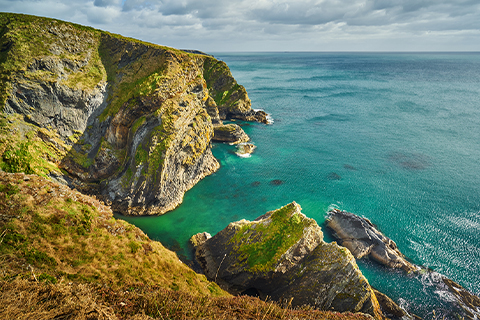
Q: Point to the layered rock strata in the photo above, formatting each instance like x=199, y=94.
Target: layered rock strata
x=129, y=120
x=361, y=237
x=282, y=255
x=231, y=133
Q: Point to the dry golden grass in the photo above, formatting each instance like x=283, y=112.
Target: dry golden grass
x=64, y=234
x=23, y=299
x=64, y=256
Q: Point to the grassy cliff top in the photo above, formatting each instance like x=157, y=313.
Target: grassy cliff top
x=59, y=234
x=64, y=255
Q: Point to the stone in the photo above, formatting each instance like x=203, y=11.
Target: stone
x=361, y=237
x=282, y=255
x=231, y=133
x=245, y=149
x=389, y=307
x=200, y=238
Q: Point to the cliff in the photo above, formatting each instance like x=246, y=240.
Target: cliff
x=282, y=255
x=64, y=255
x=108, y=115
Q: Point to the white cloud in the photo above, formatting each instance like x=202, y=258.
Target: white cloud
x=216, y=25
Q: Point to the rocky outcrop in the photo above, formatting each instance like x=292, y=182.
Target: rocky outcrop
x=244, y=150
x=389, y=307
x=114, y=116
x=282, y=255
x=361, y=237
x=231, y=133
x=469, y=303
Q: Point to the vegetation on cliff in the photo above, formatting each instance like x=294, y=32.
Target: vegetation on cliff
x=132, y=123
x=64, y=255
x=120, y=117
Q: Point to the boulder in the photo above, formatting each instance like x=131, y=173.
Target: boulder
x=231, y=133
x=245, y=149
x=361, y=237
x=282, y=255
x=389, y=307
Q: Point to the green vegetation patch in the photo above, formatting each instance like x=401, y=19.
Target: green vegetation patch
x=27, y=148
x=26, y=39
x=263, y=243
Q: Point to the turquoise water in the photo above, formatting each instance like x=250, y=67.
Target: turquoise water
x=392, y=137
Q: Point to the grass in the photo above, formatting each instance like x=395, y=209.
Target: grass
x=23, y=299
x=27, y=148
x=64, y=256
x=262, y=244
x=65, y=234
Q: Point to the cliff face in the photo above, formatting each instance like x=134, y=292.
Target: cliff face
x=110, y=115
x=282, y=255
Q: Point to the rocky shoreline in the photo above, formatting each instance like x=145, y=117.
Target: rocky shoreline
x=282, y=255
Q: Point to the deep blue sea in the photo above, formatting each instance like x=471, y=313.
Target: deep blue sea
x=394, y=137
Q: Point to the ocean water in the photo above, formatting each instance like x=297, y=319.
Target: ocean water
x=394, y=137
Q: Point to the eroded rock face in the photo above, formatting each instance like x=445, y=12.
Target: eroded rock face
x=361, y=237
x=282, y=255
x=117, y=117
x=231, y=133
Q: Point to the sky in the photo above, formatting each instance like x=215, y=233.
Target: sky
x=276, y=25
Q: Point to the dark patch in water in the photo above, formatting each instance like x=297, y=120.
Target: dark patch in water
x=255, y=183
x=410, y=161
x=276, y=182
x=333, y=176
x=349, y=167
x=330, y=117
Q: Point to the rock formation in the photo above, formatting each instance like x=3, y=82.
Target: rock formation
x=109, y=115
x=245, y=149
x=231, y=133
x=282, y=255
x=361, y=237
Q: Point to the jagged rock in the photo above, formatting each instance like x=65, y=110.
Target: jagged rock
x=118, y=117
x=231, y=133
x=200, y=238
x=389, y=307
x=468, y=302
x=245, y=149
x=361, y=237
x=282, y=255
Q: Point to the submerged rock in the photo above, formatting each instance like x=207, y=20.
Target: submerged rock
x=333, y=176
x=245, y=149
x=276, y=182
x=361, y=237
x=282, y=255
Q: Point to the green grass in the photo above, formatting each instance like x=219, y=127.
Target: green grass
x=263, y=244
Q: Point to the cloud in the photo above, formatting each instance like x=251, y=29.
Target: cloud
x=107, y=3
x=274, y=24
